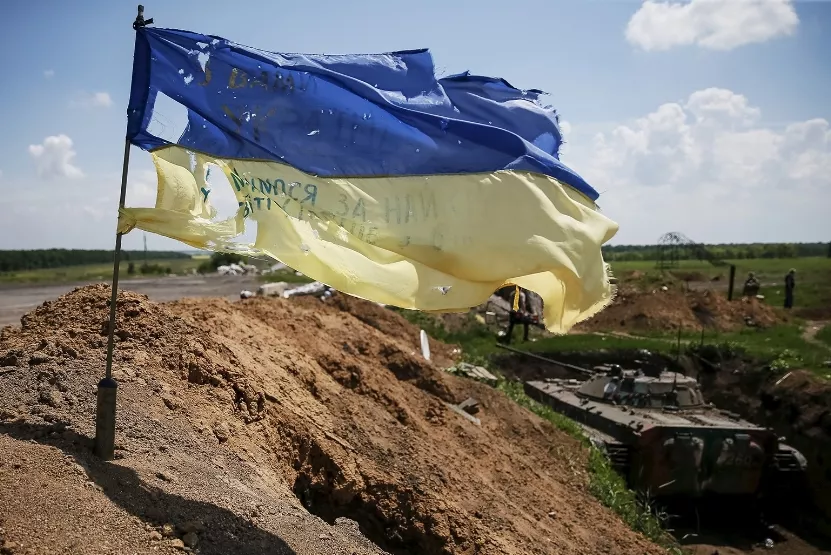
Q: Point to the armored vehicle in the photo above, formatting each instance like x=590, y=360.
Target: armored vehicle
x=662, y=436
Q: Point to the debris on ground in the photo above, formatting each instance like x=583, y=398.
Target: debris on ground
x=273, y=289
x=479, y=373
x=470, y=405
x=237, y=270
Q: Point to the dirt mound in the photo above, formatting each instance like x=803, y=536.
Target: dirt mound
x=392, y=325
x=660, y=309
x=274, y=426
x=690, y=276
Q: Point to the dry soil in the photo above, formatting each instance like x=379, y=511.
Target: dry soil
x=274, y=426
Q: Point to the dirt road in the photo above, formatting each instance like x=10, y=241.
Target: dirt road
x=17, y=300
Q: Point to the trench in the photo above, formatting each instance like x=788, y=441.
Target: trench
x=798, y=409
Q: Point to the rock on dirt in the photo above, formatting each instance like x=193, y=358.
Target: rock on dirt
x=293, y=418
x=222, y=431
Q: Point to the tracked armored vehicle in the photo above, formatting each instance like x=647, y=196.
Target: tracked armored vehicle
x=662, y=436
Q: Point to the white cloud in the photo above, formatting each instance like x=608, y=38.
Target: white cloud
x=141, y=189
x=49, y=73
x=711, y=24
x=82, y=214
x=94, y=100
x=708, y=167
x=103, y=206
x=101, y=99
x=53, y=157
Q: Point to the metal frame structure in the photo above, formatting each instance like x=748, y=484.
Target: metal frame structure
x=669, y=248
x=671, y=244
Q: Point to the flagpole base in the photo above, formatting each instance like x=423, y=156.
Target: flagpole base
x=105, y=419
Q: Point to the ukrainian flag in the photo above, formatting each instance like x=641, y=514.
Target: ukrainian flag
x=370, y=174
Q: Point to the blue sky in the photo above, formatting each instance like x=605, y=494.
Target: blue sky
x=691, y=117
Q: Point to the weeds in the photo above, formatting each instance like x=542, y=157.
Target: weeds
x=780, y=347
x=515, y=392
x=477, y=344
x=824, y=335
x=604, y=483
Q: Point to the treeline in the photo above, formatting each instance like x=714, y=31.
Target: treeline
x=17, y=261
x=730, y=251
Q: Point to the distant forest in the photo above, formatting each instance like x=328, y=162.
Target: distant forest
x=729, y=251
x=16, y=261
x=22, y=260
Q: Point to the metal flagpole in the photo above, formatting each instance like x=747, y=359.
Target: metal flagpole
x=108, y=387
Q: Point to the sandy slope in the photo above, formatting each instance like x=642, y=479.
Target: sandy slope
x=240, y=421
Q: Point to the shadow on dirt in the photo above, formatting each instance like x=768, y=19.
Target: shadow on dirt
x=224, y=532
x=742, y=524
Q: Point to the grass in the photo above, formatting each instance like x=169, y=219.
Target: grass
x=95, y=271
x=478, y=342
x=478, y=345
x=824, y=335
x=813, y=277
x=604, y=483
x=782, y=346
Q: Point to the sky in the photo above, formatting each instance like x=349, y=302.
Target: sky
x=707, y=117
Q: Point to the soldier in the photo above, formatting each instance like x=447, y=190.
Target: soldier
x=790, y=283
x=751, y=286
x=519, y=316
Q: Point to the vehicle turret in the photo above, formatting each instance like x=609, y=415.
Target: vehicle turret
x=666, y=439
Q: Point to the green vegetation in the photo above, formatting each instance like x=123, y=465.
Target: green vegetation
x=722, y=251
x=477, y=343
x=476, y=340
x=824, y=335
x=604, y=483
x=812, y=297
x=782, y=347
x=218, y=259
x=24, y=260
x=101, y=271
